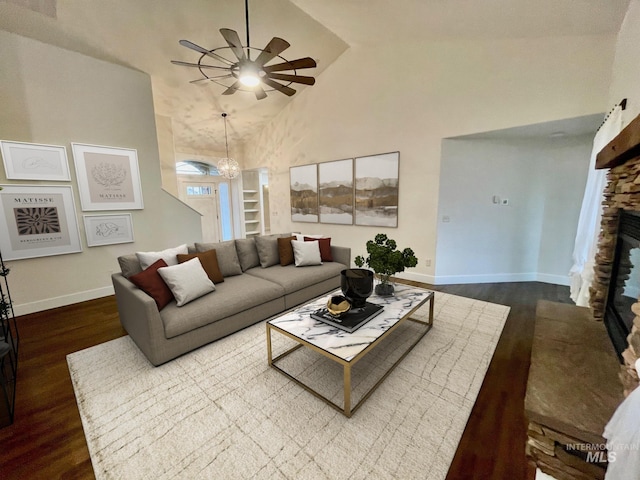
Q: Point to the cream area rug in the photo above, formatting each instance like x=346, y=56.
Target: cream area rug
x=221, y=412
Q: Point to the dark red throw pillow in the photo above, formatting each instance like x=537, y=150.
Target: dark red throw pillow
x=152, y=284
x=325, y=247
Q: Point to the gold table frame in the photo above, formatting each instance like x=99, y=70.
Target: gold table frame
x=347, y=409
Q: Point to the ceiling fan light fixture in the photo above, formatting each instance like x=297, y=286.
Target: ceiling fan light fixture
x=249, y=75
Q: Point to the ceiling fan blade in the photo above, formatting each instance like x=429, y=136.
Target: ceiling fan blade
x=292, y=78
x=232, y=38
x=260, y=93
x=297, y=64
x=278, y=86
x=274, y=48
x=213, y=79
x=232, y=89
x=199, y=49
x=187, y=64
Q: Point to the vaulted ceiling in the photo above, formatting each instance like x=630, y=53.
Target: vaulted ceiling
x=144, y=34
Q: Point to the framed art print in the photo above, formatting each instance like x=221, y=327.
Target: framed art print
x=37, y=221
x=108, y=229
x=335, y=192
x=108, y=177
x=303, y=183
x=376, y=195
x=33, y=161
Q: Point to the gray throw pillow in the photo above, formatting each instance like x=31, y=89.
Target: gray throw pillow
x=268, y=250
x=227, y=256
x=129, y=265
x=247, y=253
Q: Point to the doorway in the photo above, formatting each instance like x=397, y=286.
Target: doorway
x=209, y=196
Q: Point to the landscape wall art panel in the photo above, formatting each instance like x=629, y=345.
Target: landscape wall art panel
x=303, y=182
x=335, y=183
x=376, y=190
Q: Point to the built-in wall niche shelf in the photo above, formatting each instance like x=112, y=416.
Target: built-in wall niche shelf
x=252, y=206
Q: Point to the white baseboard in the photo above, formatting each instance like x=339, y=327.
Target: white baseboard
x=554, y=279
x=417, y=277
x=48, y=303
x=486, y=278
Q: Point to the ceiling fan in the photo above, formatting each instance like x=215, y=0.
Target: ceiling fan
x=247, y=74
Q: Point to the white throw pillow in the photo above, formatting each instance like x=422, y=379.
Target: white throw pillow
x=306, y=253
x=187, y=281
x=169, y=256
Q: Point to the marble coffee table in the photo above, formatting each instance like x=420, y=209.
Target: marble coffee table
x=348, y=348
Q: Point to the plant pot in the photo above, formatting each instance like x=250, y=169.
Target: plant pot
x=384, y=289
x=357, y=285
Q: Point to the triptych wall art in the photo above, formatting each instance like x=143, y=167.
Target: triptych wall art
x=40, y=220
x=360, y=191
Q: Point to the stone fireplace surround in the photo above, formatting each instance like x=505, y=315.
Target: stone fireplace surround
x=622, y=156
x=575, y=377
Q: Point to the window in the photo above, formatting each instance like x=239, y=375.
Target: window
x=195, y=190
x=225, y=211
x=194, y=167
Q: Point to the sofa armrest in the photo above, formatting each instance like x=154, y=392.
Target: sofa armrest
x=139, y=316
x=341, y=254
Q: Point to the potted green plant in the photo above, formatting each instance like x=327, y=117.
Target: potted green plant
x=386, y=260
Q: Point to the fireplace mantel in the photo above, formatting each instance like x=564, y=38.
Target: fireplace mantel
x=625, y=146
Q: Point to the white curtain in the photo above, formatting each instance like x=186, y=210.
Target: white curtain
x=586, y=244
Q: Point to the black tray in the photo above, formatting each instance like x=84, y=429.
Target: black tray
x=352, y=320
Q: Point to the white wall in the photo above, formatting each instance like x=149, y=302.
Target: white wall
x=625, y=80
x=408, y=97
x=529, y=239
x=563, y=175
x=55, y=96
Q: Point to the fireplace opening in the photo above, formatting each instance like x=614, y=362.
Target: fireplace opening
x=624, y=287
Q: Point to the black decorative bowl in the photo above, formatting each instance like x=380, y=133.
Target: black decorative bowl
x=357, y=285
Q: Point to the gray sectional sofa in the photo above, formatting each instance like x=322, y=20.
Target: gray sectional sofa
x=251, y=292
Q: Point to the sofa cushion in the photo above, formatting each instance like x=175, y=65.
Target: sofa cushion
x=227, y=256
x=268, y=250
x=247, y=253
x=325, y=247
x=306, y=253
x=293, y=279
x=236, y=294
x=285, y=250
x=129, y=265
x=209, y=261
x=150, y=282
x=168, y=255
x=187, y=281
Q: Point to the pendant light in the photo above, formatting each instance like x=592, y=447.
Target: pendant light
x=228, y=167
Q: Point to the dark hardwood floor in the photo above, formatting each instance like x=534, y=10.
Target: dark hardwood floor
x=46, y=440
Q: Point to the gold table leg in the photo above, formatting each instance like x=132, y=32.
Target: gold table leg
x=269, y=354
x=347, y=390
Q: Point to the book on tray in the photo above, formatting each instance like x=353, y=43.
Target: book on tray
x=350, y=321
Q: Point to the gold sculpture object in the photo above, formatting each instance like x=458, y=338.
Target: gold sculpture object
x=338, y=305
